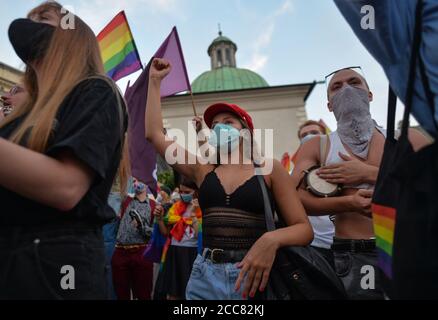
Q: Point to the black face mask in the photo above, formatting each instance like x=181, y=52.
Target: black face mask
x=30, y=39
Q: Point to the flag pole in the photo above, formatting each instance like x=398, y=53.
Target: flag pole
x=193, y=103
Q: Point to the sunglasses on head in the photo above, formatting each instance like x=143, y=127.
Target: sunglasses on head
x=329, y=77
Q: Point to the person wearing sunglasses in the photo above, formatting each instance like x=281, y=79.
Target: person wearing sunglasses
x=352, y=159
x=11, y=100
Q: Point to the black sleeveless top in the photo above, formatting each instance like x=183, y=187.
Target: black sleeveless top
x=231, y=221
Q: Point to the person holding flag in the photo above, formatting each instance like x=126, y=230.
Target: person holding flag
x=238, y=252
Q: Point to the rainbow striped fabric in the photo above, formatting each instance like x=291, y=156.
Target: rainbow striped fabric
x=384, y=225
x=175, y=216
x=119, y=52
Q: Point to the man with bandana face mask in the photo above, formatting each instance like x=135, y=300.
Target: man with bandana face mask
x=353, y=156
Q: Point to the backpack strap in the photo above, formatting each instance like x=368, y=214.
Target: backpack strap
x=323, y=146
x=125, y=205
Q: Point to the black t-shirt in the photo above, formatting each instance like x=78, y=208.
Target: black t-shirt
x=88, y=125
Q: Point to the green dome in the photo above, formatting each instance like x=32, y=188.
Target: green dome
x=227, y=78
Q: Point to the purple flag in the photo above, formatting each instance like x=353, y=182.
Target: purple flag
x=178, y=80
x=142, y=154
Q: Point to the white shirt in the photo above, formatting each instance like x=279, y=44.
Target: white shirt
x=324, y=231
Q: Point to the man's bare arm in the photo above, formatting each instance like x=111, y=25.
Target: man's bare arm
x=308, y=156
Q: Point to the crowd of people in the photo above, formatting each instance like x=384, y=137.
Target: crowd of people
x=65, y=171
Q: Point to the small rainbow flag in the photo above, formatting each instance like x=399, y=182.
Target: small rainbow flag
x=384, y=226
x=119, y=52
x=285, y=161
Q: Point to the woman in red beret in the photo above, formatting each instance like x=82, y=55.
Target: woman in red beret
x=238, y=250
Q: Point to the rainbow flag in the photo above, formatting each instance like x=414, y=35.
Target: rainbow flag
x=285, y=161
x=119, y=52
x=175, y=219
x=384, y=226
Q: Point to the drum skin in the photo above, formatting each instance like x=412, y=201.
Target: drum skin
x=319, y=187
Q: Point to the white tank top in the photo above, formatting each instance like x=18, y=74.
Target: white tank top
x=333, y=157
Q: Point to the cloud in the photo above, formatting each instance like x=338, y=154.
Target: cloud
x=258, y=62
x=264, y=39
x=260, y=59
x=286, y=7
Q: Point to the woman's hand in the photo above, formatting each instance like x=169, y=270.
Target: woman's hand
x=160, y=68
x=256, y=266
x=197, y=123
x=195, y=204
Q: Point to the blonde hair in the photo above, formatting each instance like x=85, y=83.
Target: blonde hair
x=72, y=56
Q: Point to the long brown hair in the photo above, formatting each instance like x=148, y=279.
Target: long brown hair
x=72, y=56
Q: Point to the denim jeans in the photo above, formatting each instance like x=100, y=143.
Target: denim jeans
x=109, y=237
x=352, y=267
x=213, y=281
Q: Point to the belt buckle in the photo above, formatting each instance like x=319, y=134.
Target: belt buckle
x=212, y=255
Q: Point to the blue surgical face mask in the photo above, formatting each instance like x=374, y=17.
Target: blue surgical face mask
x=224, y=137
x=186, y=197
x=308, y=137
x=140, y=187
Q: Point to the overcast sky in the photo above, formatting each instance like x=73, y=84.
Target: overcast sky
x=285, y=41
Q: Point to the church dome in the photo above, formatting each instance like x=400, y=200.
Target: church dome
x=224, y=75
x=227, y=78
x=219, y=40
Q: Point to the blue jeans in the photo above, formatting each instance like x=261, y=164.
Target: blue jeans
x=109, y=236
x=213, y=281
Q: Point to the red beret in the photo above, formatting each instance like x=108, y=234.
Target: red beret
x=222, y=107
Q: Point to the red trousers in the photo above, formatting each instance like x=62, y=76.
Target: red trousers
x=132, y=273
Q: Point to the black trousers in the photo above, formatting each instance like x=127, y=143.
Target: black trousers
x=358, y=270
x=327, y=254
x=54, y=262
